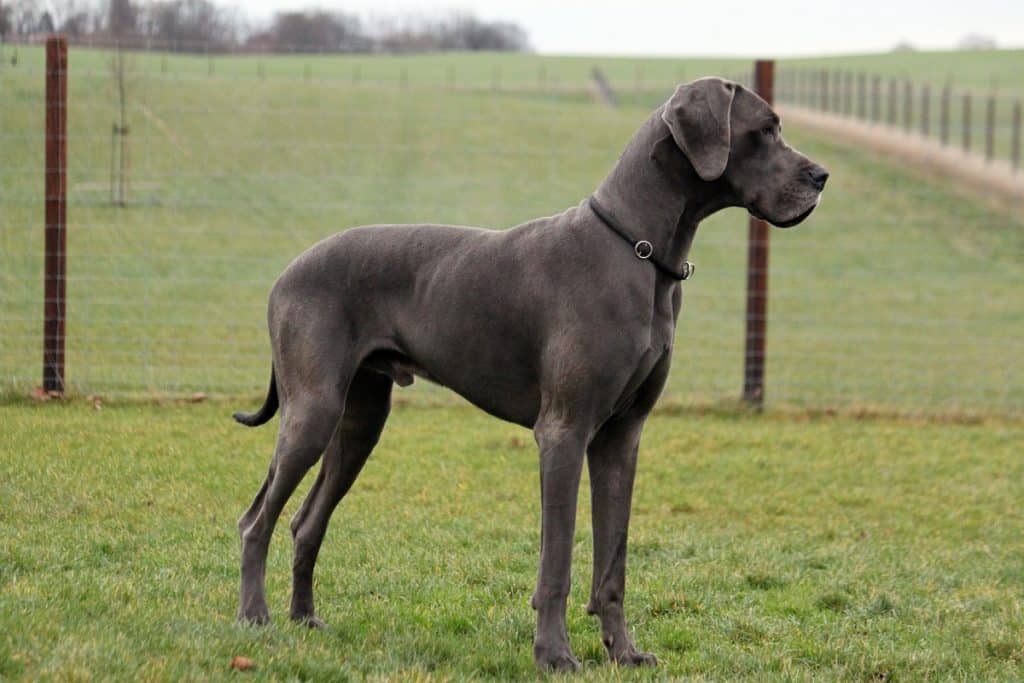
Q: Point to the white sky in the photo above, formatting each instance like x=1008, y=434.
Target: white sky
x=715, y=27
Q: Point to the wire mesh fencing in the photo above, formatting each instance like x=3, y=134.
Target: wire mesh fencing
x=983, y=122
x=193, y=180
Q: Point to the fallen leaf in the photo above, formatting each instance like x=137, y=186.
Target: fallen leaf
x=40, y=394
x=241, y=663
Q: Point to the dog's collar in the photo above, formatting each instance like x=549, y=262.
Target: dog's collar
x=643, y=249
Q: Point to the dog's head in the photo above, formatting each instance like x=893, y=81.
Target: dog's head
x=731, y=135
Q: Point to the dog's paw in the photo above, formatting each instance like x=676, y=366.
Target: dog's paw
x=555, y=659
x=259, y=616
x=633, y=657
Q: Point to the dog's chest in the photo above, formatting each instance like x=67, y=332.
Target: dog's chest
x=655, y=345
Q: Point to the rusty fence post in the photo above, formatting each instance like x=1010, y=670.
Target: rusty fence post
x=55, y=257
x=757, y=272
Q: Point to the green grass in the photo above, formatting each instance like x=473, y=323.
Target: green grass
x=978, y=69
x=898, y=294
x=799, y=548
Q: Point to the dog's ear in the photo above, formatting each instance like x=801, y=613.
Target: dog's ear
x=698, y=117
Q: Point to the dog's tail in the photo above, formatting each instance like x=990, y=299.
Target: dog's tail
x=264, y=414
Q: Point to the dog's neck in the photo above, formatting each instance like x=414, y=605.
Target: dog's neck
x=654, y=192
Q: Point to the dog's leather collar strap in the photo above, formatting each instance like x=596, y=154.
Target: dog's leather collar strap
x=643, y=249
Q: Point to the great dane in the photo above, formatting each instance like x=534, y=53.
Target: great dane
x=564, y=325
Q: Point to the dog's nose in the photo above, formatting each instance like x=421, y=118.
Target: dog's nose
x=818, y=176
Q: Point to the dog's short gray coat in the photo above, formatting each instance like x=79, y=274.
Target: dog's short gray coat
x=555, y=325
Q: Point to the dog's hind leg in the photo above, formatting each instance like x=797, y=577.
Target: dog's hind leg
x=307, y=423
x=366, y=409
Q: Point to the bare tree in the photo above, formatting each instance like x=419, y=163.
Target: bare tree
x=122, y=18
x=120, y=157
x=191, y=25
x=317, y=31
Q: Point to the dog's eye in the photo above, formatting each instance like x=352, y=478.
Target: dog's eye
x=768, y=131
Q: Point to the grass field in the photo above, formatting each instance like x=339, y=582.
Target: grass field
x=784, y=545
x=762, y=547
x=981, y=69
x=898, y=293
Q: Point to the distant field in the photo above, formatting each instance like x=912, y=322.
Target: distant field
x=898, y=294
x=975, y=69
x=761, y=548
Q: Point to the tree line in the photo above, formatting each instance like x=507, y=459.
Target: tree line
x=202, y=25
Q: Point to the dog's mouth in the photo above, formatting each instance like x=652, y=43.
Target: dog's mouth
x=789, y=223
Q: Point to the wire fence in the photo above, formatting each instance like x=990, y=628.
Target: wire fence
x=190, y=187
x=987, y=124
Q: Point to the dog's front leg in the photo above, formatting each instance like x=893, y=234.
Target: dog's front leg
x=612, y=457
x=561, y=462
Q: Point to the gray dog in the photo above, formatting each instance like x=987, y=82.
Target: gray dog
x=564, y=325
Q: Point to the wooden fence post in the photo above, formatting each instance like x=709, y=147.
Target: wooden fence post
x=55, y=258
x=757, y=272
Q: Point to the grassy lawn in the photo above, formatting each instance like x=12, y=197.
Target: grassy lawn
x=796, y=547
x=897, y=294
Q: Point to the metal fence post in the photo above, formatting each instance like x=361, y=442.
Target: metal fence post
x=926, y=101
x=55, y=261
x=876, y=99
x=757, y=272
x=1015, y=137
x=967, y=122
x=862, y=96
x=908, y=106
x=944, y=116
x=892, y=102
x=990, y=128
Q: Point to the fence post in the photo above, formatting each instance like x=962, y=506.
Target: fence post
x=967, y=122
x=876, y=99
x=862, y=96
x=926, y=101
x=824, y=89
x=990, y=128
x=1015, y=139
x=757, y=272
x=55, y=261
x=944, y=116
x=892, y=102
x=908, y=106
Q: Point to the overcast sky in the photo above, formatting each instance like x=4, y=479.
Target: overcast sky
x=716, y=27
